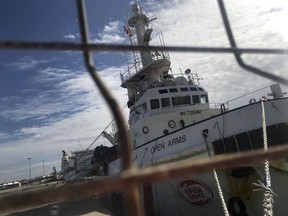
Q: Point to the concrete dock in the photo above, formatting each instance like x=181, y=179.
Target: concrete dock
x=86, y=206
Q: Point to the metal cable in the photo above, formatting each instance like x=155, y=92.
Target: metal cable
x=52, y=46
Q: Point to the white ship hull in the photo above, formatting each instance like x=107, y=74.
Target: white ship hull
x=198, y=195
x=189, y=139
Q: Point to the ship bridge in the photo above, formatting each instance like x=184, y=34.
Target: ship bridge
x=158, y=66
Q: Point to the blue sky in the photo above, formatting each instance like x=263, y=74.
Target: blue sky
x=47, y=100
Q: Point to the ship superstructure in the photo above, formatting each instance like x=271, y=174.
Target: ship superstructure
x=159, y=101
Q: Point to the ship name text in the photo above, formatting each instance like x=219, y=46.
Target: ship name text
x=190, y=112
x=171, y=142
x=177, y=140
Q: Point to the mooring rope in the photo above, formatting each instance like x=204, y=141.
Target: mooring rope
x=268, y=194
x=226, y=213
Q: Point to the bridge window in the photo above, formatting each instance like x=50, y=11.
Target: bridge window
x=193, y=89
x=204, y=98
x=154, y=103
x=200, y=89
x=181, y=100
x=163, y=91
x=165, y=102
x=173, y=90
x=195, y=99
x=184, y=89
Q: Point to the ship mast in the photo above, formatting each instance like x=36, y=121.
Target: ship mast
x=149, y=66
x=140, y=22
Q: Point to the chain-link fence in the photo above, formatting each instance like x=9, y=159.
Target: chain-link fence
x=131, y=178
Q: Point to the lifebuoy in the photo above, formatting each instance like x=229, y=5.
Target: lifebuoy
x=242, y=208
x=145, y=130
x=171, y=124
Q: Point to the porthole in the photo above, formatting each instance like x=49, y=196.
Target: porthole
x=145, y=130
x=171, y=124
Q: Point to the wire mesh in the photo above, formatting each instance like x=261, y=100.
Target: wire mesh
x=131, y=178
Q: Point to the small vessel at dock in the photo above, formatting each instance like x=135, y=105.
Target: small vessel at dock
x=76, y=164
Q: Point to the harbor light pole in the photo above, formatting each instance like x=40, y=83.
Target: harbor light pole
x=29, y=167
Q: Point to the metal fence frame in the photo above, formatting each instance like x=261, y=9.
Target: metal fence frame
x=131, y=178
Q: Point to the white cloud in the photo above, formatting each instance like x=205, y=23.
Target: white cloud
x=199, y=23
x=78, y=83
x=28, y=63
x=3, y=135
x=110, y=34
x=53, y=74
x=73, y=110
x=70, y=36
x=112, y=27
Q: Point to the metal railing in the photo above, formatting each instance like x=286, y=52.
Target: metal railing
x=132, y=177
